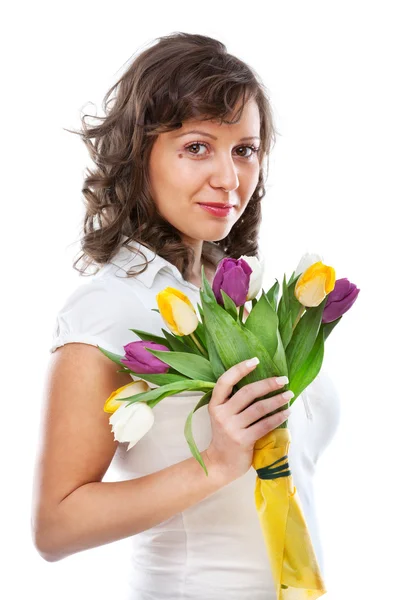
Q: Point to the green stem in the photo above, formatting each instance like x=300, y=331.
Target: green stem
x=301, y=312
x=241, y=310
x=198, y=344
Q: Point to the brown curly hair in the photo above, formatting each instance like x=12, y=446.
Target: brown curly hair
x=182, y=76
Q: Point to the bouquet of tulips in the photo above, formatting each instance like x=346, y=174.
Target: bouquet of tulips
x=287, y=334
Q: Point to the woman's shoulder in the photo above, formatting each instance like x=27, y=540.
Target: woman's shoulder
x=100, y=311
x=103, y=291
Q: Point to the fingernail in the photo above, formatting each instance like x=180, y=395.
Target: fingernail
x=252, y=362
x=288, y=395
x=282, y=380
x=286, y=412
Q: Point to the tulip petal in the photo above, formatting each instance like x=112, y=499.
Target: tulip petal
x=233, y=277
x=183, y=316
x=314, y=284
x=340, y=300
x=306, y=261
x=131, y=422
x=255, y=276
x=177, y=311
x=138, y=359
x=236, y=285
x=136, y=387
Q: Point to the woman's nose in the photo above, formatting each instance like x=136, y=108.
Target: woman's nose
x=225, y=174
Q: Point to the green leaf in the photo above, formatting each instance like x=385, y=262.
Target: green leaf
x=160, y=378
x=206, y=289
x=263, y=322
x=303, y=338
x=229, y=305
x=176, y=343
x=215, y=361
x=285, y=294
x=199, y=331
x=150, y=337
x=288, y=310
x=284, y=315
x=328, y=327
x=192, y=365
x=189, y=433
x=116, y=358
x=311, y=366
x=273, y=294
x=292, y=278
x=193, y=347
x=286, y=329
x=154, y=396
x=309, y=369
x=294, y=304
x=279, y=357
x=233, y=343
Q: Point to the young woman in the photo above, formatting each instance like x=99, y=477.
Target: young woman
x=188, y=128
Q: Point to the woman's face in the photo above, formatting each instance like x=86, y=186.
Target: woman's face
x=214, y=166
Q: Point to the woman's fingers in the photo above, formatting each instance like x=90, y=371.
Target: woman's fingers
x=250, y=392
x=257, y=431
x=261, y=408
x=224, y=385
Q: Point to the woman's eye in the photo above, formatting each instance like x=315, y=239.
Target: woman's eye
x=192, y=145
x=251, y=150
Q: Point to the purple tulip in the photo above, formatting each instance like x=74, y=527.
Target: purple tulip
x=233, y=277
x=137, y=358
x=340, y=299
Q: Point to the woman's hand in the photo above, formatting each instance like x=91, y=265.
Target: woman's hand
x=232, y=445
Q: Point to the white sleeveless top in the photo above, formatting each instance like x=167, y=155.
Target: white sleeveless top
x=214, y=549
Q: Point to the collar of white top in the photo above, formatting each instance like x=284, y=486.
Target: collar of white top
x=125, y=259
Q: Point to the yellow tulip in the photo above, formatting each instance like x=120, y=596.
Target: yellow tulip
x=288, y=542
x=177, y=311
x=136, y=387
x=314, y=284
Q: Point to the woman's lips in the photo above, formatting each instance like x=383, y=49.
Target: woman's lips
x=217, y=211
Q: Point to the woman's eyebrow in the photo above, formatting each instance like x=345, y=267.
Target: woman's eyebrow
x=249, y=137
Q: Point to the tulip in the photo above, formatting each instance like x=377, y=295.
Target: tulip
x=139, y=360
x=314, y=284
x=255, y=276
x=130, y=422
x=306, y=261
x=340, y=300
x=113, y=401
x=233, y=277
x=177, y=311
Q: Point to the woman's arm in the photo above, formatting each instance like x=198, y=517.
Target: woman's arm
x=73, y=509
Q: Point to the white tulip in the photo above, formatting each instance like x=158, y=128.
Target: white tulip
x=306, y=261
x=131, y=422
x=256, y=276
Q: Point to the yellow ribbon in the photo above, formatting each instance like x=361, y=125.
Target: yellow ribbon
x=293, y=562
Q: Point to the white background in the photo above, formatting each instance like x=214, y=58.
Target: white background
x=331, y=69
